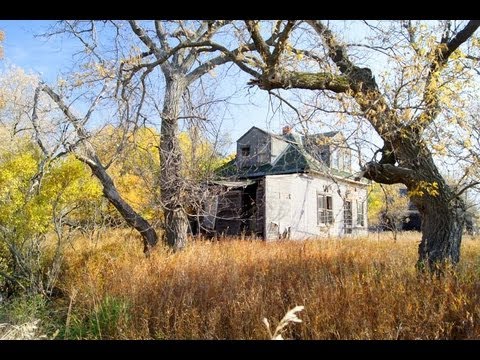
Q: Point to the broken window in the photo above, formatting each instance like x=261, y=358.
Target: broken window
x=245, y=150
x=324, y=209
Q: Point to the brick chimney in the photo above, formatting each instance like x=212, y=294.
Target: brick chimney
x=287, y=129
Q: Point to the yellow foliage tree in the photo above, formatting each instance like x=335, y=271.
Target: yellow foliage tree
x=28, y=213
x=387, y=207
x=135, y=165
x=200, y=157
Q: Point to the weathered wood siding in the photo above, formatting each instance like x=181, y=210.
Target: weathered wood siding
x=228, y=221
x=259, y=145
x=260, y=208
x=278, y=200
x=291, y=206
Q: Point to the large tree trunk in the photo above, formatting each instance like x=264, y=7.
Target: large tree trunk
x=442, y=227
x=176, y=228
x=441, y=210
x=171, y=182
x=130, y=216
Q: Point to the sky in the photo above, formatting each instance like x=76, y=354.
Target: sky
x=50, y=57
x=23, y=48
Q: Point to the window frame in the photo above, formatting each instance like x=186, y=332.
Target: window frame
x=360, y=214
x=324, y=213
x=245, y=149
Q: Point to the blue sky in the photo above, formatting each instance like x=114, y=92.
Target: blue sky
x=53, y=56
x=35, y=54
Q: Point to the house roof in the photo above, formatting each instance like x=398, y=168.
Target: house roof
x=233, y=184
x=294, y=159
x=262, y=130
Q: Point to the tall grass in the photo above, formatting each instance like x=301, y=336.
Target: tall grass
x=351, y=288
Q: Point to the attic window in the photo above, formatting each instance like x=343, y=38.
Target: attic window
x=245, y=150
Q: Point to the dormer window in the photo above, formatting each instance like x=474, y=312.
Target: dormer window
x=341, y=159
x=245, y=150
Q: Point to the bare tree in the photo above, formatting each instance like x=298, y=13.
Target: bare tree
x=181, y=65
x=403, y=114
x=183, y=52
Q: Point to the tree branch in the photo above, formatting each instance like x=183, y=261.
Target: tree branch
x=82, y=133
x=281, y=43
x=336, y=51
x=462, y=36
x=35, y=121
x=203, y=33
x=227, y=55
x=412, y=36
x=142, y=35
x=302, y=80
x=161, y=35
x=260, y=44
x=441, y=55
x=465, y=188
x=95, y=103
x=385, y=173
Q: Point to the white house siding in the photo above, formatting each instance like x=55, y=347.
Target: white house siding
x=291, y=206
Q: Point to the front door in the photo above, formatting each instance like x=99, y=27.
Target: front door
x=347, y=217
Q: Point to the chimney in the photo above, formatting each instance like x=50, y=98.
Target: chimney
x=287, y=129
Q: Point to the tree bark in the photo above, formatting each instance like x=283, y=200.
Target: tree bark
x=442, y=228
x=441, y=210
x=171, y=182
x=176, y=228
x=131, y=217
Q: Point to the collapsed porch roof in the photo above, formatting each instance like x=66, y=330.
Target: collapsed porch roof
x=234, y=184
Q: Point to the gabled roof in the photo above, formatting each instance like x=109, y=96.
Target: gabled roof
x=294, y=159
x=250, y=130
x=292, y=136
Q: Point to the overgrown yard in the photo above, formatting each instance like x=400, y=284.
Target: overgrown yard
x=351, y=289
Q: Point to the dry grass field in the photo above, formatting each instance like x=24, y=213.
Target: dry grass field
x=364, y=288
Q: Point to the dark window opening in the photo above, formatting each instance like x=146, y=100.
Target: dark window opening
x=245, y=150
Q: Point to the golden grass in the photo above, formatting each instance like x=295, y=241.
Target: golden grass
x=351, y=289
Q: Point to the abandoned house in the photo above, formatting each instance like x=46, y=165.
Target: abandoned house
x=287, y=186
